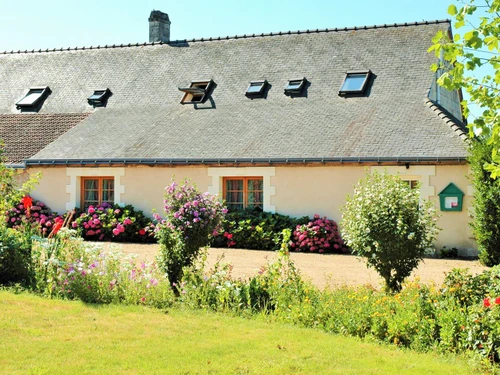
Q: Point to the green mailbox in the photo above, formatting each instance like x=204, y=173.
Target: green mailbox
x=451, y=198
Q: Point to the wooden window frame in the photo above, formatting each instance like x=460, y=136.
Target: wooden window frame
x=245, y=187
x=99, y=187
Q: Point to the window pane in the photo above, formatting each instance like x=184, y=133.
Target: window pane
x=234, y=197
x=90, y=184
x=255, y=87
x=353, y=82
x=31, y=97
x=108, y=184
x=234, y=185
x=255, y=199
x=255, y=184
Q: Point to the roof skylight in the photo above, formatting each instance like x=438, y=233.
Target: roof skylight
x=355, y=82
x=99, y=98
x=256, y=89
x=197, y=92
x=295, y=86
x=33, y=99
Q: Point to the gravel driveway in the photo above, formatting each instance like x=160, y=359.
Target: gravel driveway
x=322, y=269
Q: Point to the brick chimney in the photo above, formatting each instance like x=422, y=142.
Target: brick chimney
x=159, y=27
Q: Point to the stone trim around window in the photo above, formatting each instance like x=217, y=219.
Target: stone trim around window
x=420, y=173
x=266, y=173
x=74, y=186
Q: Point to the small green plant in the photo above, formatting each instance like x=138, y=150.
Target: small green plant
x=447, y=252
x=384, y=222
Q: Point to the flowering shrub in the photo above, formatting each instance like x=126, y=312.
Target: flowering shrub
x=67, y=267
x=114, y=223
x=254, y=229
x=384, y=222
x=15, y=254
x=34, y=212
x=320, y=235
x=191, y=218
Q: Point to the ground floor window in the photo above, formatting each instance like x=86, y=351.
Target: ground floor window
x=243, y=192
x=412, y=183
x=97, y=190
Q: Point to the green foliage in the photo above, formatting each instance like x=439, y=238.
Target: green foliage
x=15, y=256
x=191, y=218
x=255, y=229
x=384, y=222
x=446, y=252
x=462, y=56
x=276, y=287
x=486, y=204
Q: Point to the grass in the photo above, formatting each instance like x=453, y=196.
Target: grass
x=42, y=336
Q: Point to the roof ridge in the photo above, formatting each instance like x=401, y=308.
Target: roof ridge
x=244, y=36
x=455, y=124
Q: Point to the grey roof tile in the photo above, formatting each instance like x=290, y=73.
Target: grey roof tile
x=143, y=118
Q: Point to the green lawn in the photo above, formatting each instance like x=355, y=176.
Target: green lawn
x=41, y=336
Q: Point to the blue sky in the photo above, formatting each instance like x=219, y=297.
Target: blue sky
x=38, y=24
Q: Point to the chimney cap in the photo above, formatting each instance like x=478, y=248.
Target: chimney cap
x=157, y=15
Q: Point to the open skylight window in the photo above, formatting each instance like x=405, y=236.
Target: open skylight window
x=355, y=82
x=197, y=92
x=295, y=86
x=99, y=98
x=256, y=89
x=33, y=100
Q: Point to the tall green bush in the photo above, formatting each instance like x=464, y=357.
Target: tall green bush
x=486, y=216
x=15, y=257
x=384, y=222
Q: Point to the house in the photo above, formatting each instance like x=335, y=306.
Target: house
x=287, y=121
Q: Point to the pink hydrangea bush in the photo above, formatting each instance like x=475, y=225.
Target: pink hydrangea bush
x=319, y=235
x=107, y=222
x=29, y=210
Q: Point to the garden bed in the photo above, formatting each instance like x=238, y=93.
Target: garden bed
x=322, y=269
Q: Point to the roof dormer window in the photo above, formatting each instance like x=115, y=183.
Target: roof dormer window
x=256, y=89
x=99, y=98
x=295, y=86
x=33, y=100
x=197, y=92
x=355, y=82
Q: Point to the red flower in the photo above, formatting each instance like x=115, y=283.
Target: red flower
x=58, y=225
x=229, y=236
x=27, y=203
x=486, y=302
x=497, y=301
x=142, y=232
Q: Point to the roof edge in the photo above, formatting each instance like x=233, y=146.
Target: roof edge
x=16, y=165
x=221, y=161
x=455, y=124
x=244, y=36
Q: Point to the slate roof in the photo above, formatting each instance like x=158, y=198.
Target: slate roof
x=145, y=121
x=25, y=135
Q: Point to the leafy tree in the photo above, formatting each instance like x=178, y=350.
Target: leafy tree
x=485, y=223
x=460, y=61
x=384, y=222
